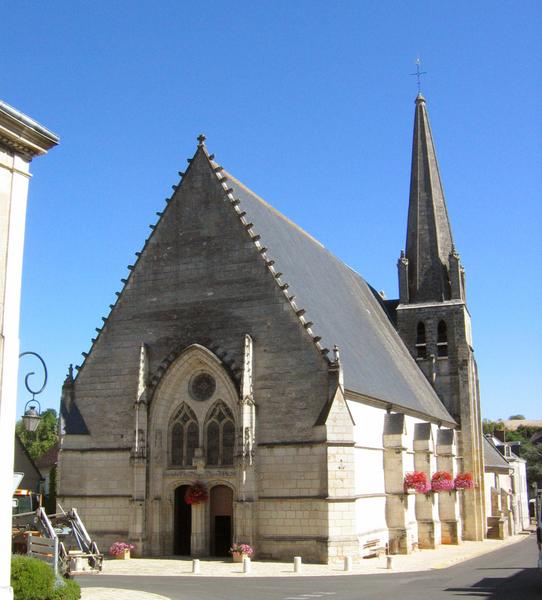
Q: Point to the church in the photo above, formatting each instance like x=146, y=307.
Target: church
x=249, y=387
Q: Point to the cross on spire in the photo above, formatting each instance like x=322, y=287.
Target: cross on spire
x=201, y=139
x=419, y=74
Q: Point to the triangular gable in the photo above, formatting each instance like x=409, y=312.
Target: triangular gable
x=333, y=303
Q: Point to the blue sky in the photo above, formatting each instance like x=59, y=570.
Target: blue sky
x=311, y=104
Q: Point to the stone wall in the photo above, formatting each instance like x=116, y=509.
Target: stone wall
x=455, y=379
x=199, y=280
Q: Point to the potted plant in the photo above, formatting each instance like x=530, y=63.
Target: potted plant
x=239, y=551
x=196, y=493
x=417, y=481
x=464, y=481
x=121, y=550
x=442, y=481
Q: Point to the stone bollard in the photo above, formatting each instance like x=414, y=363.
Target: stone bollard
x=195, y=566
x=247, y=565
x=389, y=562
x=297, y=564
x=347, y=563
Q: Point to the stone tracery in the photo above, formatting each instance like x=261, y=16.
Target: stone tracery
x=184, y=436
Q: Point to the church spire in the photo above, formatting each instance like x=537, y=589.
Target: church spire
x=429, y=238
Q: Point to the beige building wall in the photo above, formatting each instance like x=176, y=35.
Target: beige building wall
x=21, y=139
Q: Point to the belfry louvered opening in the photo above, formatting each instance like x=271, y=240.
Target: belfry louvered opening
x=421, y=344
x=442, y=339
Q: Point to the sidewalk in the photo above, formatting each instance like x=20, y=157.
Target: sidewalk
x=421, y=560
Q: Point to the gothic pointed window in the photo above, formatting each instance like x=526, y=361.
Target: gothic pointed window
x=220, y=436
x=228, y=442
x=184, y=437
x=442, y=340
x=213, y=443
x=421, y=345
x=177, y=443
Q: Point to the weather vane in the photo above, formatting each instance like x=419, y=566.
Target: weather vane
x=419, y=74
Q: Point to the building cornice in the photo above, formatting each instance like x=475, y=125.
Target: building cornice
x=22, y=134
x=443, y=303
x=393, y=407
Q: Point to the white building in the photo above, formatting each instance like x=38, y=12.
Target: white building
x=21, y=139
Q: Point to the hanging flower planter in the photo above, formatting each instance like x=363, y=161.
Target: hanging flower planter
x=464, y=481
x=196, y=493
x=417, y=481
x=442, y=481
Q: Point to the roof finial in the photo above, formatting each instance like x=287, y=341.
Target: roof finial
x=419, y=75
x=201, y=140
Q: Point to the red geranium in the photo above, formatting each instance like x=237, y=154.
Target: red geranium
x=196, y=493
x=442, y=481
x=417, y=481
x=464, y=481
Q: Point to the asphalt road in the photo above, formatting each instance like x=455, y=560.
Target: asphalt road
x=507, y=574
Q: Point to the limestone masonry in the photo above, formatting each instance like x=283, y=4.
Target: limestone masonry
x=242, y=355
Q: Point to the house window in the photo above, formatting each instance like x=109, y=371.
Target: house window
x=442, y=340
x=421, y=346
x=184, y=437
x=220, y=436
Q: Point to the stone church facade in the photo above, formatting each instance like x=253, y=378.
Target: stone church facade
x=243, y=356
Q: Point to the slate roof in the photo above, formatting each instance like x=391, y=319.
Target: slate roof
x=492, y=457
x=344, y=311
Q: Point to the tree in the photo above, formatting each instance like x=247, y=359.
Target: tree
x=490, y=427
x=516, y=417
x=50, y=499
x=45, y=437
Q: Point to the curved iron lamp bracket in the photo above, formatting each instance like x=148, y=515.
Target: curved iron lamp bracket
x=28, y=375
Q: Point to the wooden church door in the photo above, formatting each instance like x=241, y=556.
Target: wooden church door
x=221, y=520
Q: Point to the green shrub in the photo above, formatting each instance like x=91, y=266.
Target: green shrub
x=66, y=589
x=31, y=579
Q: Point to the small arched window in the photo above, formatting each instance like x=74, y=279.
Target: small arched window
x=220, y=436
x=184, y=437
x=442, y=339
x=421, y=345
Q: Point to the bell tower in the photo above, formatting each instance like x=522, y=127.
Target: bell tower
x=432, y=316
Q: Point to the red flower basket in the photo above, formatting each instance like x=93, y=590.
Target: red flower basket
x=196, y=494
x=417, y=481
x=442, y=481
x=464, y=481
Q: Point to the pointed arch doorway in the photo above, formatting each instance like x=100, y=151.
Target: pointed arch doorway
x=221, y=520
x=182, y=523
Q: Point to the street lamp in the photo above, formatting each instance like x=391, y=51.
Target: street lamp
x=31, y=416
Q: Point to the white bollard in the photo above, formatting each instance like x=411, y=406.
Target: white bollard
x=246, y=564
x=347, y=563
x=297, y=564
x=195, y=566
x=389, y=562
